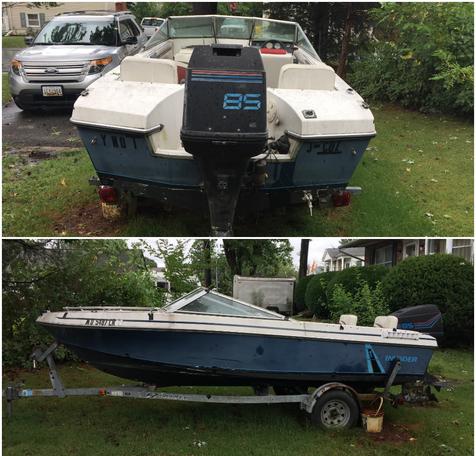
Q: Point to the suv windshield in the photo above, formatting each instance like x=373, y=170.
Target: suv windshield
x=77, y=31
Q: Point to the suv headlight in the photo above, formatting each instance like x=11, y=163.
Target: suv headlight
x=16, y=66
x=96, y=66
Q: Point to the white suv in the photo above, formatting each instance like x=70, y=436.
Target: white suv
x=69, y=53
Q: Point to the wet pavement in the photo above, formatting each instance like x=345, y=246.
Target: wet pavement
x=31, y=129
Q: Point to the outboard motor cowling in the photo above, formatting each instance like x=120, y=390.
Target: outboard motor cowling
x=224, y=122
x=425, y=319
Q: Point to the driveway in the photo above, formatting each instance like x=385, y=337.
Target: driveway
x=45, y=128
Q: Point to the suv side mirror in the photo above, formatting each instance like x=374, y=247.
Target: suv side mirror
x=29, y=40
x=130, y=40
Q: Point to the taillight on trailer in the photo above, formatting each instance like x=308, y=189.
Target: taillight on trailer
x=341, y=198
x=108, y=194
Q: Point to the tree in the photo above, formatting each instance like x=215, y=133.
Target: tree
x=303, y=257
x=328, y=24
x=40, y=275
x=204, y=7
x=168, y=9
x=258, y=257
x=144, y=9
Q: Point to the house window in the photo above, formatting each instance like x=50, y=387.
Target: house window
x=410, y=249
x=32, y=20
x=383, y=255
x=346, y=263
x=463, y=248
x=436, y=246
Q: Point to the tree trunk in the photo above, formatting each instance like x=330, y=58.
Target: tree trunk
x=344, y=53
x=207, y=254
x=204, y=8
x=232, y=258
x=303, y=256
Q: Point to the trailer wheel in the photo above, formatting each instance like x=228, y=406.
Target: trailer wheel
x=335, y=410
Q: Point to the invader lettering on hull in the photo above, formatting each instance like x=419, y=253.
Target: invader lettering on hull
x=119, y=141
x=403, y=359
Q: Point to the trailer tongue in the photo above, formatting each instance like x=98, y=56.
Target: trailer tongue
x=224, y=122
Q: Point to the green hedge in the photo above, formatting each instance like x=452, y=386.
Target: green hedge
x=316, y=296
x=351, y=278
x=300, y=293
x=444, y=280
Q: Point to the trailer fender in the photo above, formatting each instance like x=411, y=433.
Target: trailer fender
x=310, y=402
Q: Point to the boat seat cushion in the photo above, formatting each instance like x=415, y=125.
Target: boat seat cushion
x=348, y=320
x=184, y=55
x=389, y=322
x=142, y=69
x=272, y=64
x=311, y=77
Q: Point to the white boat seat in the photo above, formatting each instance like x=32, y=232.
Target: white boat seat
x=184, y=55
x=348, y=320
x=140, y=69
x=312, y=77
x=273, y=63
x=388, y=322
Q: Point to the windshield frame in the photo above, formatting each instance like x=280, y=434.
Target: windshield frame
x=165, y=30
x=177, y=305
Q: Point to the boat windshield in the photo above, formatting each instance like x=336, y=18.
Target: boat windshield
x=253, y=30
x=213, y=303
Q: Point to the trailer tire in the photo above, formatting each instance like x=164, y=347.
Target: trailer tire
x=335, y=410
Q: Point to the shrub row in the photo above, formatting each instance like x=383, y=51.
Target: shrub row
x=444, y=280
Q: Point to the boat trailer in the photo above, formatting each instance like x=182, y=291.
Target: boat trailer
x=318, y=404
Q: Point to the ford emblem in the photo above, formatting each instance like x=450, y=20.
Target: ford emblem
x=51, y=70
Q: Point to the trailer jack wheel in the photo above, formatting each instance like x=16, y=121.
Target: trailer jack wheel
x=335, y=410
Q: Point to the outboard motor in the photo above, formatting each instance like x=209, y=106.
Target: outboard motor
x=224, y=122
x=425, y=319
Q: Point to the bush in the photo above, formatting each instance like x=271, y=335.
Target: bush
x=316, y=297
x=367, y=303
x=300, y=293
x=444, y=280
x=421, y=57
x=44, y=275
x=351, y=278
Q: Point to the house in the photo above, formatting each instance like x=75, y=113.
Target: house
x=25, y=18
x=340, y=258
x=389, y=252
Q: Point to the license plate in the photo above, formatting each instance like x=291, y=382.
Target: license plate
x=52, y=91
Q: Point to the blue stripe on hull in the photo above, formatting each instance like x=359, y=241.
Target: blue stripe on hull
x=317, y=165
x=234, y=355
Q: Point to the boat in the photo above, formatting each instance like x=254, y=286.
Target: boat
x=207, y=338
x=224, y=112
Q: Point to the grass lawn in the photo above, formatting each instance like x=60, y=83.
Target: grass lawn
x=13, y=42
x=417, y=180
x=105, y=426
x=5, y=89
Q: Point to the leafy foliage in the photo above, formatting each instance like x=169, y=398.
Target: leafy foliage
x=259, y=257
x=316, y=294
x=300, y=293
x=366, y=302
x=421, y=56
x=444, y=280
x=49, y=275
x=351, y=278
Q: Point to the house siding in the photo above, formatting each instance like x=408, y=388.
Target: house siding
x=16, y=13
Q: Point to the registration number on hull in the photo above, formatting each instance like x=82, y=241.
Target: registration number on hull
x=100, y=322
x=116, y=141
